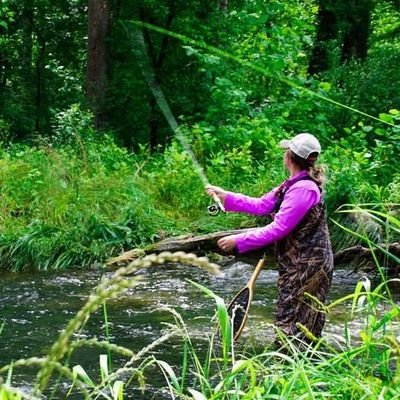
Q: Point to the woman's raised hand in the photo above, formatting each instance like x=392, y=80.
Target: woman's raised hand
x=216, y=191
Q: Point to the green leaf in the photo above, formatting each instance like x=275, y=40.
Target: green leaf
x=223, y=318
x=197, y=395
x=358, y=299
x=169, y=372
x=239, y=365
x=386, y=117
x=104, y=367
x=79, y=373
x=389, y=316
x=118, y=390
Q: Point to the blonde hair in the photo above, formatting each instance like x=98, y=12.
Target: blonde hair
x=318, y=174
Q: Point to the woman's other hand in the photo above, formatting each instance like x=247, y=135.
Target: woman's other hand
x=227, y=243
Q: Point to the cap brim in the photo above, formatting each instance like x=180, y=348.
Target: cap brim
x=285, y=143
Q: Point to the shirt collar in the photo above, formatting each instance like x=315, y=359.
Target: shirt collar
x=297, y=177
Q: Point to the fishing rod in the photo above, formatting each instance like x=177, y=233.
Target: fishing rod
x=150, y=77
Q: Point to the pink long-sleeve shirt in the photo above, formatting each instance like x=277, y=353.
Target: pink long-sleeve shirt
x=301, y=195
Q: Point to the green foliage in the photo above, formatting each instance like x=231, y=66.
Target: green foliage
x=6, y=15
x=202, y=87
x=116, y=389
x=42, y=54
x=7, y=392
x=83, y=198
x=71, y=206
x=72, y=125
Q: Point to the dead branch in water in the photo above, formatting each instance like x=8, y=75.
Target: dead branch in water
x=358, y=256
x=190, y=244
x=362, y=258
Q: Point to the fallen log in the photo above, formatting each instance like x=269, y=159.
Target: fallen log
x=362, y=257
x=358, y=256
x=199, y=245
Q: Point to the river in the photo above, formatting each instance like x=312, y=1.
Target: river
x=36, y=307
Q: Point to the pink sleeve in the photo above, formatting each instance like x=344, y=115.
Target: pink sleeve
x=258, y=206
x=297, y=202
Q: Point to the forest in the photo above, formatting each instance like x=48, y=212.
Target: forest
x=114, y=114
x=90, y=165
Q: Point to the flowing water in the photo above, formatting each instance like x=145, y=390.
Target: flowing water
x=35, y=307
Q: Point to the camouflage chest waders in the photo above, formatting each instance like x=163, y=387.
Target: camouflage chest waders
x=305, y=263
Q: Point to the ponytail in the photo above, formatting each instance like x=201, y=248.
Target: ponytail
x=318, y=174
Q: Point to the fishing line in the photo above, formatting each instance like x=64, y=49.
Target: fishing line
x=155, y=88
x=256, y=68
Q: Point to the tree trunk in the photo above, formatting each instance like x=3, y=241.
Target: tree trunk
x=156, y=60
x=97, y=56
x=355, y=40
x=41, y=111
x=341, y=24
x=27, y=90
x=194, y=244
x=223, y=5
x=153, y=123
x=327, y=34
x=27, y=42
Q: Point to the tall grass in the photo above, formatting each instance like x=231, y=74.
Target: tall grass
x=365, y=365
x=72, y=206
x=79, y=203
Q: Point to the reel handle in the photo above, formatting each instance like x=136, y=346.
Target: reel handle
x=214, y=209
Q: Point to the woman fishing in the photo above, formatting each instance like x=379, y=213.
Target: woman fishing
x=299, y=231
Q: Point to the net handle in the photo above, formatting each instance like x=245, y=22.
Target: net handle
x=256, y=272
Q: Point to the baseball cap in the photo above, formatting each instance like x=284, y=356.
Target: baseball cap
x=302, y=145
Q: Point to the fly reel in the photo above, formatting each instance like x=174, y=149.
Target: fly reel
x=213, y=210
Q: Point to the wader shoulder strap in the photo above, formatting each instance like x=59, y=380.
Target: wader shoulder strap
x=283, y=188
